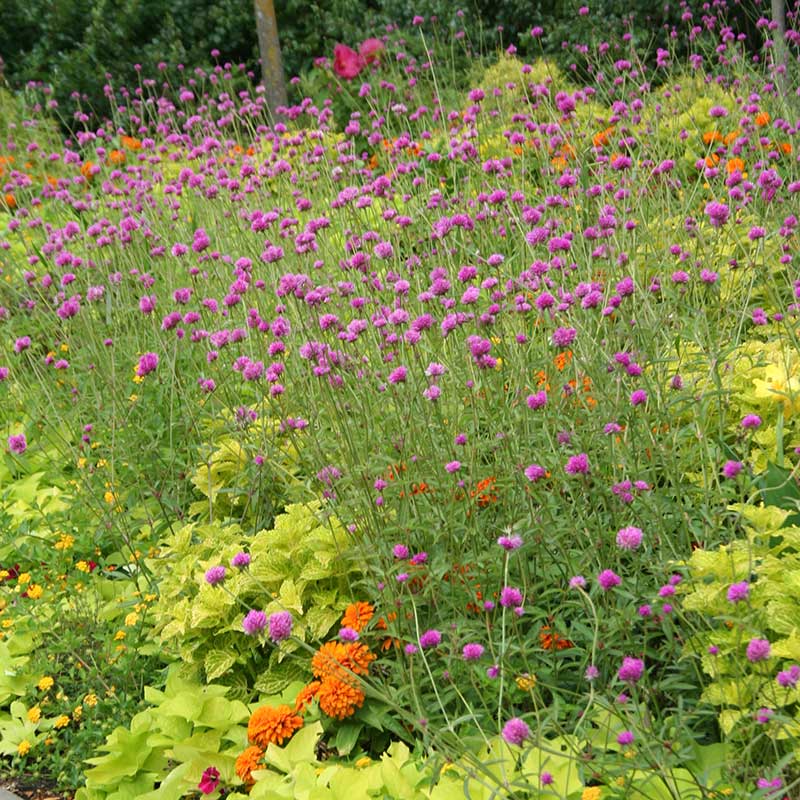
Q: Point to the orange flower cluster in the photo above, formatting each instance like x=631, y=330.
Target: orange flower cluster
x=484, y=491
x=247, y=762
x=553, y=641
x=272, y=725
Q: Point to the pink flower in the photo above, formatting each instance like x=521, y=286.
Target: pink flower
x=346, y=62
x=209, y=781
x=370, y=50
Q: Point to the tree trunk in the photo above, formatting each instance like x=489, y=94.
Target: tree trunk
x=270, y=49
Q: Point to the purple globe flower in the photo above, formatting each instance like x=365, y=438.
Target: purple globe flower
x=280, y=626
x=732, y=468
x=758, y=650
x=17, y=444
x=629, y=538
x=215, y=575
x=147, y=363
x=577, y=465
x=751, y=421
x=515, y=731
x=472, y=651
x=631, y=670
x=608, y=579
x=510, y=597
x=254, y=622
x=431, y=638
x=240, y=560
x=737, y=592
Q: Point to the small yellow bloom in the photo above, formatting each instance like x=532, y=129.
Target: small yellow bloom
x=109, y=497
x=45, y=683
x=65, y=542
x=61, y=721
x=131, y=619
x=526, y=682
x=90, y=700
x=24, y=579
x=362, y=762
x=7, y=623
x=82, y=566
x=591, y=793
x=77, y=713
x=81, y=462
x=35, y=591
x=119, y=636
x=23, y=748
x=34, y=714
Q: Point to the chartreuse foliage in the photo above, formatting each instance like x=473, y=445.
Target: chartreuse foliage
x=301, y=565
x=767, y=556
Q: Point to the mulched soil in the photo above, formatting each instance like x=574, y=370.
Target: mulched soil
x=33, y=789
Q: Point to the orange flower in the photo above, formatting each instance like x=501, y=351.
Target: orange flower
x=305, y=696
x=484, y=492
x=338, y=660
x=712, y=160
x=272, y=725
x=357, y=615
x=130, y=143
x=762, y=119
x=552, y=641
x=730, y=137
x=338, y=699
x=247, y=762
x=734, y=164
x=709, y=137
x=785, y=148
x=86, y=169
x=562, y=359
x=602, y=138
x=116, y=157
x=10, y=200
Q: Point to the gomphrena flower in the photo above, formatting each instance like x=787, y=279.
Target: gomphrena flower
x=348, y=634
x=510, y=542
x=510, y=597
x=270, y=725
x=515, y=731
x=629, y=538
x=431, y=638
x=631, y=670
x=240, y=560
x=280, y=626
x=147, y=364
x=608, y=579
x=577, y=465
x=254, y=622
x=472, y=651
x=758, y=650
x=215, y=575
x=17, y=444
x=737, y=592
x=732, y=468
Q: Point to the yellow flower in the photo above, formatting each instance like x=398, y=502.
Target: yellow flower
x=24, y=579
x=45, y=683
x=119, y=636
x=81, y=462
x=109, y=497
x=131, y=619
x=591, y=793
x=526, y=682
x=34, y=714
x=65, y=541
x=779, y=387
x=362, y=762
x=23, y=748
x=82, y=566
x=90, y=700
x=77, y=713
x=61, y=721
x=35, y=591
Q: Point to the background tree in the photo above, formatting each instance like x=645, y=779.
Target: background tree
x=270, y=49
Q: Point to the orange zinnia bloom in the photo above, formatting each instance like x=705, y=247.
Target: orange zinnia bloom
x=786, y=148
x=339, y=699
x=130, y=143
x=86, y=169
x=712, y=160
x=763, y=119
x=117, y=157
x=357, y=615
x=730, y=137
x=734, y=164
x=338, y=660
x=248, y=761
x=712, y=136
x=272, y=725
x=10, y=200
x=602, y=138
x=305, y=696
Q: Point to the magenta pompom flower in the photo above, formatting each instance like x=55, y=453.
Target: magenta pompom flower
x=631, y=670
x=147, y=364
x=17, y=444
x=577, y=465
x=280, y=626
x=254, y=622
x=608, y=579
x=431, y=638
x=215, y=575
x=629, y=538
x=472, y=651
x=515, y=731
x=737, y=592
x=758, y=650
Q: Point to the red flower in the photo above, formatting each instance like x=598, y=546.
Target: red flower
x=346, y=62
